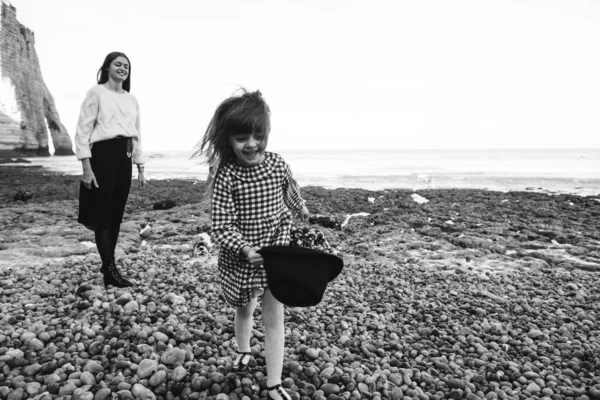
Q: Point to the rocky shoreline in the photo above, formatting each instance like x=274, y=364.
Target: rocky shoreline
x=462, y=294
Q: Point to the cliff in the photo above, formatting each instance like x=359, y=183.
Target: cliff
x=27, y=109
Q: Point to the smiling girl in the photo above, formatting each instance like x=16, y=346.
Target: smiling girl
x=253, y=198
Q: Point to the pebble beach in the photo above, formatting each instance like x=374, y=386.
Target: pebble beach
x=445, y=294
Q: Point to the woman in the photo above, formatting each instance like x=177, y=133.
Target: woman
x=107, y=140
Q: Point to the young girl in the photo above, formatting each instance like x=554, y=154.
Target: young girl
x=253, y=193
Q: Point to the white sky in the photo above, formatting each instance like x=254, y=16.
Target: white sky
x=371, y=74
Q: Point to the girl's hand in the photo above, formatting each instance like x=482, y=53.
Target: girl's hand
x=141, y=179
x=303, y=214
x=252, y=256
x=89, y=179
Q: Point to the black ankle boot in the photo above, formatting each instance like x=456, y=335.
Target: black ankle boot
x=113, y=277
x=110, y=277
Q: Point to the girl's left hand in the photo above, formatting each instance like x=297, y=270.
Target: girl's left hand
x=303, y=214
x=141, y=180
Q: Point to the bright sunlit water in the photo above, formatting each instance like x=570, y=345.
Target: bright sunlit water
x=572, y=171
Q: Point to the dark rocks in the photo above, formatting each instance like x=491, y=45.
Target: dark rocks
x=164, y=205
x=327, y=221
x=23, y=195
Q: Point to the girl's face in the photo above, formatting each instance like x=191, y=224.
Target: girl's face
x=118, y=70
x=248, y=148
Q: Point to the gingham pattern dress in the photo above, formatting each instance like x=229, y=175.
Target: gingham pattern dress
x=251, y=207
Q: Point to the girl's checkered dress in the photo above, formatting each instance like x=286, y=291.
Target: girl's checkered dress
x=251, y=207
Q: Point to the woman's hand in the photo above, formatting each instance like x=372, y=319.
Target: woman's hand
x=303, y=214
x=141, y=180
x=88, y=179
x=252, y=256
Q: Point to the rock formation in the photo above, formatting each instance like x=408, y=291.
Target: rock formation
x=27, y=109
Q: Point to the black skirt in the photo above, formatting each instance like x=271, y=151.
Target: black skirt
x=103, y=207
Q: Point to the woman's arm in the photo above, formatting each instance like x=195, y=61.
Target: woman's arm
x=88, y=115
x=138, y=155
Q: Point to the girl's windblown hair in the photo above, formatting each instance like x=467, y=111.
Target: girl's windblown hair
x=242, y=114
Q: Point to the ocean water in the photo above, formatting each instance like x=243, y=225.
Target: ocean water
x=558, y=171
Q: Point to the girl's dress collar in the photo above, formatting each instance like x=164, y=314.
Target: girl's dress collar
x=254, y=173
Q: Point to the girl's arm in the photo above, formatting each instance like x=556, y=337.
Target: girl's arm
x=224, y=230
x=292, y=197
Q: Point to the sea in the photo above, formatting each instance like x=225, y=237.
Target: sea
x=575, y=171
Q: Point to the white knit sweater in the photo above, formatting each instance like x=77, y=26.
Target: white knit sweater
x=104, y=115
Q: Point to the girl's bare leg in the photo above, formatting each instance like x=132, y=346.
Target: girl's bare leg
x=272, y=314
x=243, y=325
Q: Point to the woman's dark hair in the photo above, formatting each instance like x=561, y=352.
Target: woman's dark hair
x=102, y=75
x=239, y=114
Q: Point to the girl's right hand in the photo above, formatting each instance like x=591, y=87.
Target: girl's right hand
x=252, y=256
x=88, y=179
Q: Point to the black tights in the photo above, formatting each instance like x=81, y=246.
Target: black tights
x=106, y=242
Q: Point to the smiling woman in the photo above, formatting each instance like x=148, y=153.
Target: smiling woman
x=107, y=141
x=118, y=72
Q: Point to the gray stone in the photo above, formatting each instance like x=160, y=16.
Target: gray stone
x=158, y=378
x=146, y=368
x=173, y=356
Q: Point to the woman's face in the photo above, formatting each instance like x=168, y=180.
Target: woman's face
x=118, y=70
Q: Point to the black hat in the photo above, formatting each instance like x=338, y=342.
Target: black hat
x=298, y=276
